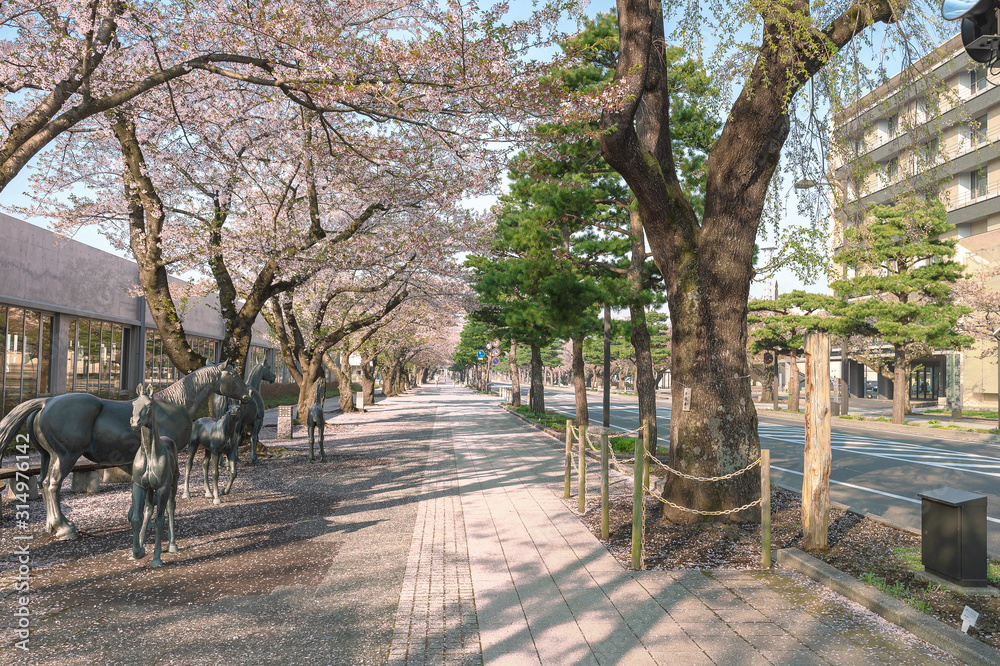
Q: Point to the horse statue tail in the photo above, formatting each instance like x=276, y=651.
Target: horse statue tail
x=15, y=419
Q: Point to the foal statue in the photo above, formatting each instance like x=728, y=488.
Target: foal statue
x=217, y=436
x=154, y=478
x=316, y=420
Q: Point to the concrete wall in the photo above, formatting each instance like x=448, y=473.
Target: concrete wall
x=61, y=275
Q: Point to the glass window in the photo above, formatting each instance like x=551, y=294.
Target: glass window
x=71, y=355
x=29, y=383
x=105, y=360
x=979, y=129
x=45, y=356
x=977, y=80
x=892, y=125
x=978, y=183
x=15, y=358
x=891, y=169
x=4, y=366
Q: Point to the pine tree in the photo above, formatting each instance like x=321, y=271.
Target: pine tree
x=780, y=326
x=902, y=291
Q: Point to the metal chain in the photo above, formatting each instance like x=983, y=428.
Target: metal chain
x=704, y=513
x=703, y=478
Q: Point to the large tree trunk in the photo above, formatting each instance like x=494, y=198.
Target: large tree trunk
x=794, y=391
x=515, y=384
x=580, y=383
x=367, y=382
x=312, y=370
x=645, y=380
x=343, y=384
x=537, y=401
x=899, y=388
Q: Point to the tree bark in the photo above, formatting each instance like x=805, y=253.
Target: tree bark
x=537, y=399
x=343, y=384
x=515, y=384
x=312, y=371
x=645, y=380
x=899, y=388
x=580, y=383
x=367, y=381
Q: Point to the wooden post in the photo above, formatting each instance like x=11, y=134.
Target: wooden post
x=569, y=458
x=638, y=497
x=650, y=449
x=582, y=490
x=605, y=492
x=816, y=477
x=765, y=508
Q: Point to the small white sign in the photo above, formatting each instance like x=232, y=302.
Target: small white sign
x=687, y=398
x=354, y=359
x=969, y=618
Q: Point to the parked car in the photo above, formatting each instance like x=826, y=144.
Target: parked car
x=871, y=388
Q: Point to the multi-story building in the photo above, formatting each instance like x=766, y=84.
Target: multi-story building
x=935, y=128
x=69, y=321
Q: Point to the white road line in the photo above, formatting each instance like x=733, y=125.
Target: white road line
x=868, y=490
x=856, y=450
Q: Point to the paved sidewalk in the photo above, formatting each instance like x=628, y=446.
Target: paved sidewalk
x=501, y=570
x=435, y=534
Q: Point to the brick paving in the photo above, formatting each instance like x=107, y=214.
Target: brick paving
x=436, y=619
x=546, y=591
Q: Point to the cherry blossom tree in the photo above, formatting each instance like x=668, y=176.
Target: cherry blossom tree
x=796, y=52
x=434, y=65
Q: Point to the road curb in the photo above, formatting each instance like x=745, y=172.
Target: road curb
x=932, y=630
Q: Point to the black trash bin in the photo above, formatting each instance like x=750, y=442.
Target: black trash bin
x=953, y=527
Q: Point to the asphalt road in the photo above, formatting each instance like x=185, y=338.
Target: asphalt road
x=877, y=473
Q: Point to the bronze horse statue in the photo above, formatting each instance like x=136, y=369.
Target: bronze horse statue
x=251, y=412
x=216, y=436
x=155, y=473
x=316, y=420
x=64, y=427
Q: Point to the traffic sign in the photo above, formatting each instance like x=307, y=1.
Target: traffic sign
x=481, y=354
x=495, y=352
x=496, y=342
x=496, y=361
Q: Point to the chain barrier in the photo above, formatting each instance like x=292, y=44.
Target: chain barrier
x=704, y=478
x=724, y=512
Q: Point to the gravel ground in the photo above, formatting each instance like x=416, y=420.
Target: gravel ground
x=276, y=574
